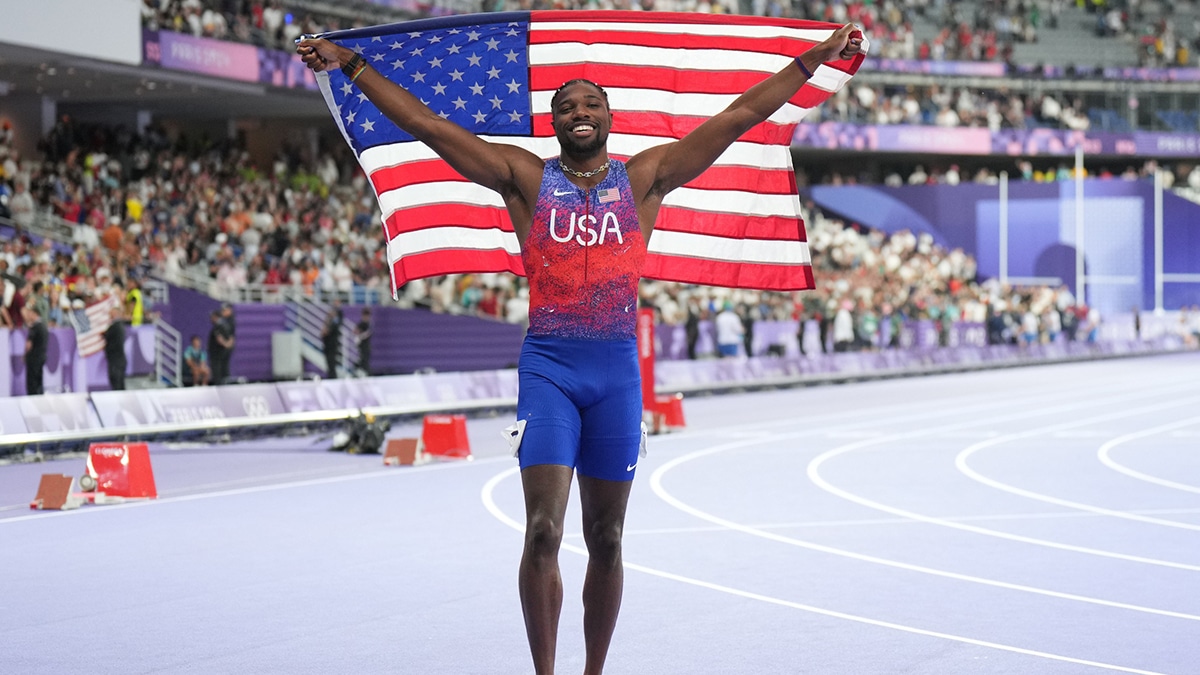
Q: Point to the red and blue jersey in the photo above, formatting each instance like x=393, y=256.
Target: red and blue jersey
x=584, y=257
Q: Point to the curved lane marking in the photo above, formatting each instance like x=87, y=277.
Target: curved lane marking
x=814, y=474
x=487, y=496
x=1104, y=453
x=960, y=461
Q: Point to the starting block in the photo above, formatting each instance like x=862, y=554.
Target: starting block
x=666, y=414
x=119, y=471
x=446, y=436
x=404, y=452
x=55, y=493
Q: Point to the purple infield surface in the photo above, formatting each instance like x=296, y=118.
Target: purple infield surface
x=1029, y=520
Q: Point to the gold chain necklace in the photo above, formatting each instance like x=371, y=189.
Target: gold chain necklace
x=584, y=174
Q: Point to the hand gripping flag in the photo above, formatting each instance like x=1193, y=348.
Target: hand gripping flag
x=738, y=224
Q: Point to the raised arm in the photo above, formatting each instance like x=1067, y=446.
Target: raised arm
x=492, y=165
x=665, y=167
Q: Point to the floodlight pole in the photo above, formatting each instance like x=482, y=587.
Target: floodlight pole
x=1080, y=277
x=1158, y=242
x=1003, y=228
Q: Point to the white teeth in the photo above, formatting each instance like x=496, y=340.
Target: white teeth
x=581, y=127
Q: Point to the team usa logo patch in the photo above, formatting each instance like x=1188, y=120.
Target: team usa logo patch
x=609, y=195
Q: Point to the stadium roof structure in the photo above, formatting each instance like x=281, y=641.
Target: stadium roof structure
x=70, y=80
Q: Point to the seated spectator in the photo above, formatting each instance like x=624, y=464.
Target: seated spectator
x=195, y=360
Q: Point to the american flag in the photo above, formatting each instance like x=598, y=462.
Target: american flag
x=90, y=324
x=738, y=224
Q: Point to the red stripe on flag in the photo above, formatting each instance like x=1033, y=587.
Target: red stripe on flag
x=454, y=261
x=413, y=173
x=731, y=225
x=746, y=179
x=720, y=273
x=474, y=216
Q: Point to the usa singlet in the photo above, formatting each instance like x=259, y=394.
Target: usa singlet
x=579, y=401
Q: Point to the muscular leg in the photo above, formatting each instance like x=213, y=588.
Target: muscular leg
x=603, y=503
x=547, y=487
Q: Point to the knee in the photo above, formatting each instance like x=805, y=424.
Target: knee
x=604, y=542
x=543, y=536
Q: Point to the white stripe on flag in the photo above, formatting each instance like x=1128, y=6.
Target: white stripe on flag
x=441, y=238
x=693, y=245
x=733, y=201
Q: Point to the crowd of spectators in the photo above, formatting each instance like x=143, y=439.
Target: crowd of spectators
x=204, y=209
x=265, y=23
x=947, y=106
x=1159, y=36
x=189, y=211
x=985, y=30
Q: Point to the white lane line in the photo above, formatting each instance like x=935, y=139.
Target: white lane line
x=1105, y=455
x=488, y=492
x=814, y=474
x=961, y=462
x=874, y=522
x=380, y=473
x=657, y=486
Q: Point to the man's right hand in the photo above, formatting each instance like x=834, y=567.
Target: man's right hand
x=321, y=55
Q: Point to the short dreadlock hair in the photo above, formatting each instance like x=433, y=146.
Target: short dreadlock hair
x=578, y=80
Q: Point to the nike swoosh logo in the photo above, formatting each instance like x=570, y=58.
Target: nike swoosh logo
x=560, y=193
x=631, y=467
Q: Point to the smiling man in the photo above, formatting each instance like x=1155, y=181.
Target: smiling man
x=582, y=221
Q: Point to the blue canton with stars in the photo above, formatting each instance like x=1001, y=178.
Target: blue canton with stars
x=474, y=75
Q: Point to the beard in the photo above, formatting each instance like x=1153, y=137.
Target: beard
x=584, y=149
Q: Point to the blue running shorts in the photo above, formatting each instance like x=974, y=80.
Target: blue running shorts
x=581, y=401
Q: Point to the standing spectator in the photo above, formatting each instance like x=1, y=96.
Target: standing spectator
x=331, y=339
x=114, y=350
x=1029, y=326
x=843, y=328
x=746, y=314
x=1051, y=323
x=691, y=326
x=825, y=323
x=39, y=299
x=220, y=347
x=21, y=206
x=362, y=333
x=37, y=341
x=1092, y=326
x=729, y=331
x=12, y=302
x=134, y=303
x=195, y=359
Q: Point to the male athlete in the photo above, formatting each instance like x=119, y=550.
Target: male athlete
x=582, y=221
